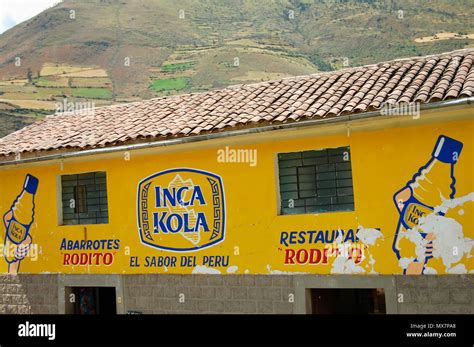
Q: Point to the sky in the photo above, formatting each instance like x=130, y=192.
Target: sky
x=13, y=12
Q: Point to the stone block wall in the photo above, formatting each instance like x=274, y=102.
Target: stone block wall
x=448, y=294
x=28, y=294
x=187, y=294
x=208, y=294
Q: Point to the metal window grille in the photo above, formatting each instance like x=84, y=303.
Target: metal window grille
x=316, y=181
x=84, y=198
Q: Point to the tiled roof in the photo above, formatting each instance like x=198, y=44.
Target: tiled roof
x=323, y=95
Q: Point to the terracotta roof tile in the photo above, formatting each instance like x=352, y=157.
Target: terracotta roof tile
x=330, y=94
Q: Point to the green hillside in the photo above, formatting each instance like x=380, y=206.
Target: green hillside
x=107, y=51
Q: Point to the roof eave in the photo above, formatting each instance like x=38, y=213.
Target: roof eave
x=224, y=134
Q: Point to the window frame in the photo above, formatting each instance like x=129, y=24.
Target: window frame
x=279, y=207
x=59, y=198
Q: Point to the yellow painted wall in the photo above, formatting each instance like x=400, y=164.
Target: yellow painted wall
x=383, y=161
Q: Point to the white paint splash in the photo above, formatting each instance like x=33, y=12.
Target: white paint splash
x=448, y=204
x=343, y=265
x=372, y=264
x=414, y=236
x=368, y=236
x=202, y=269
x=346, y=265
x=232, y=269
x=458, y=269
x=404, y=262
x=429, y=271
x=449, y=243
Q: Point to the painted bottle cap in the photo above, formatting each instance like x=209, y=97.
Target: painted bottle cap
x=31, y=184
x=447, y=150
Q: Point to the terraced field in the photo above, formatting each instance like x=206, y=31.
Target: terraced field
x=23, y=101
x=59, y=81
x=170, y=84
x=130, y=50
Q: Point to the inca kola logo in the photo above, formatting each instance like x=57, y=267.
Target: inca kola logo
x=181, y=210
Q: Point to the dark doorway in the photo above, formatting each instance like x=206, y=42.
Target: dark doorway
x=348, y=300
x=91, y=300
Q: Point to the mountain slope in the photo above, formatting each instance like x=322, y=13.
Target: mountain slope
x=105, y=51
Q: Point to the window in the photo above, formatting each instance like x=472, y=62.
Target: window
x=84, y=199
x=316, y=181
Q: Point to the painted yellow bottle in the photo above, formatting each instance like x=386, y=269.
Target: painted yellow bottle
x=21, y=214
x=434, y=182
